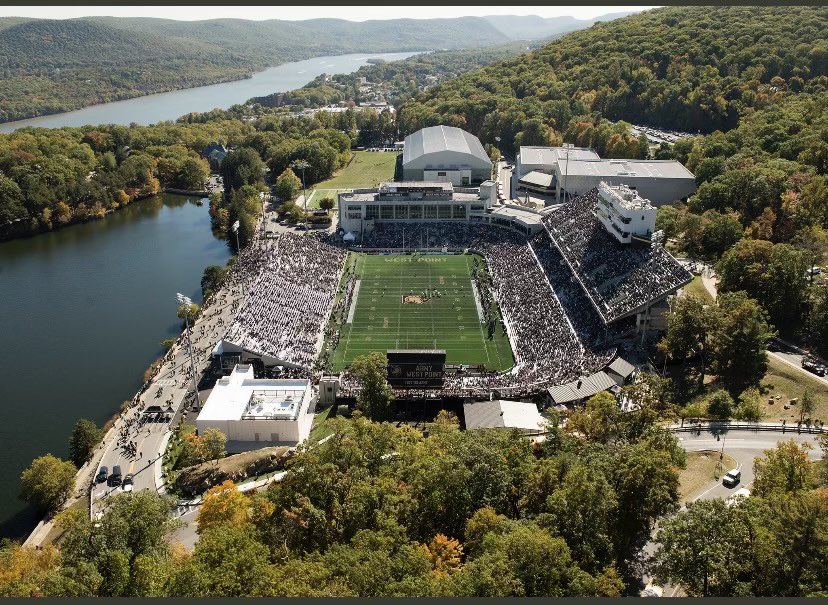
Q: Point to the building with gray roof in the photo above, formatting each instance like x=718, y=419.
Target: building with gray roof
x=580, y=390
x=447, y=154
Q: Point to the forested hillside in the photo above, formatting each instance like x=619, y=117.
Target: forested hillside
x=533, y=27
x=683, y=68
x=48, y=66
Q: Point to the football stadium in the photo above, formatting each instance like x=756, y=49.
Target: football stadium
x=513, y=309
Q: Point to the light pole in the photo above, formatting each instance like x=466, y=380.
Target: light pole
x=301, y=165
x=235, y=228
x=184, y=300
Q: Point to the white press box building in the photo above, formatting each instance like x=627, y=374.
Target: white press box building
x=624, y=214
x=249, y=409
x=360, y=210
x=567, y=172
x=445, y=154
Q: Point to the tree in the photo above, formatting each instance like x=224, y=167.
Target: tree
x=287, y=186
x=242, y=166
x=223, y=505
x=216, y=443
x=375, y=396
x=784, y=469
x=702, y=548
x=11, y=201
x=85, y=437
x=689, y=325
x=720, y=405
x=326, y=203
x=806, y=406
x=212, y=279
x=445, y=553
x=599, y=419
x=47, y=483
x=190, y=312
x=750, y=405
x=739, y=341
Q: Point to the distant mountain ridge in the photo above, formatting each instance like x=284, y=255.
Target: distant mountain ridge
x=533, y=27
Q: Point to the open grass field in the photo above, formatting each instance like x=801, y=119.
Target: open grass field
x=789, y=383
x=444, y=314
x=696, y=287
x=367, y=169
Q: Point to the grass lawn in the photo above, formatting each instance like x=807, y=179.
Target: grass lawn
x=696, y=287
x=702, y=469
x=790, y=383
x=445, y=317
x=367, y=169
x=321, y=425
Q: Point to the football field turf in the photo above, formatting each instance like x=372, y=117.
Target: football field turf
x=420, y=302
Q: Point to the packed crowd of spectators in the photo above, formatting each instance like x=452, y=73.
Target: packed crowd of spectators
x=619, y=278
x=289, y=286
x=548, y=349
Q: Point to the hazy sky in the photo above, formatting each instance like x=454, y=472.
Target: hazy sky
x=352, y=13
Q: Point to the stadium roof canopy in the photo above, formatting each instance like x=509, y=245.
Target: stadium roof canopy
x=536, y=179
x=580, y=389
x=503, y=414
x=435, y=141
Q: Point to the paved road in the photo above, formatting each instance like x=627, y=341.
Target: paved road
x=742, y=446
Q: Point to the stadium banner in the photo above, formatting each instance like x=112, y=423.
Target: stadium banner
x=416, y=369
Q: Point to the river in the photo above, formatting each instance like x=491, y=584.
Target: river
x=171, y=105
x=84, y=309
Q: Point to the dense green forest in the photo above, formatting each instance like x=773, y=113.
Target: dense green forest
x=48, y=66
x=378, y=510
x=684, y=68
x=53, y=177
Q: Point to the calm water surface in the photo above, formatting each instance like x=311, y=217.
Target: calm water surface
x=172, y=105
x=82, y=312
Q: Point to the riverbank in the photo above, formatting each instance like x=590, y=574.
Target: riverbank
x=9, y=232
x=145, y=109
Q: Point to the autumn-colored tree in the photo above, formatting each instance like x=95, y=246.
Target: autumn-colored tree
x=446, y=554
x=223, y=505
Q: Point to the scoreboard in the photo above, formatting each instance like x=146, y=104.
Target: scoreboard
x=416, y=369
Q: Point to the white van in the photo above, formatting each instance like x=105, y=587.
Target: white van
x=732, y=478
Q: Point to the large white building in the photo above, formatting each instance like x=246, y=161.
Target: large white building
x=361, y=210
x=624, y=214
x=445, y=154
x=267, y=411
x=568, y=172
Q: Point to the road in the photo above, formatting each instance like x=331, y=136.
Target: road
x=742, y=446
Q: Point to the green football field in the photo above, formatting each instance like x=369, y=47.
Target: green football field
x=419, y=302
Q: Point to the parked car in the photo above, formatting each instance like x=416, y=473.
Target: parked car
x=128, y=483
x=813, y=366
x=116, y=477
x=103, y=474
x=732, y=478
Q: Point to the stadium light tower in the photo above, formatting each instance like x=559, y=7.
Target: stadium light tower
x=302, y=165
x=235, y=228
x=185, y=301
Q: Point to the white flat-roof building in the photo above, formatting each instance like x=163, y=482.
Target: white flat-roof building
x=266, y=411
x=445, y=154
x=660, y=181
x=624, y=214
x=576, y=170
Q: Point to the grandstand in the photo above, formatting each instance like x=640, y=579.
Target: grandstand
x=567, y=296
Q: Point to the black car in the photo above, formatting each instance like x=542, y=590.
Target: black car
x=115, y=477
x=102, y=475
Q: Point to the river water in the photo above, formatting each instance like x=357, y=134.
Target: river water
x=84, y=308
x=171, y=105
